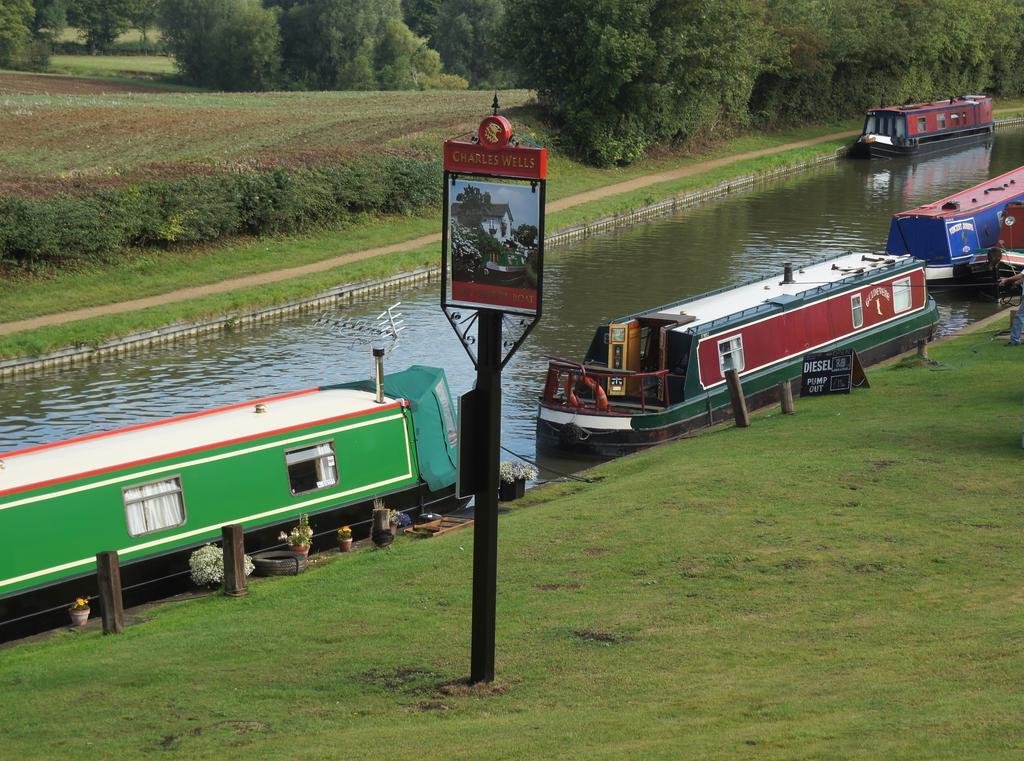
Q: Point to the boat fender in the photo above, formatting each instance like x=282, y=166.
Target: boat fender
x=573, y=434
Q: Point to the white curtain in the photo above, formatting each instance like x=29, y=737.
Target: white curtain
x=152, y=507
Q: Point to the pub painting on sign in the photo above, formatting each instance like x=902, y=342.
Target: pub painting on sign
x=494, y=244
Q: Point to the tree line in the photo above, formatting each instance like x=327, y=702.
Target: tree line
x=247, y=45
x=618, y=77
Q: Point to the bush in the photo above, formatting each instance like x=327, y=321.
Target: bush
x=207, y=566
x=198, y=209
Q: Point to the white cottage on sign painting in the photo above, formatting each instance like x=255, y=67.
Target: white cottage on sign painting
x=497, y=221
x=494, y=219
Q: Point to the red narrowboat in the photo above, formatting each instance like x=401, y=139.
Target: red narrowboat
x=916, y=128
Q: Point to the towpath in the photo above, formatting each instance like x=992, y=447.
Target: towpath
x=265, y=278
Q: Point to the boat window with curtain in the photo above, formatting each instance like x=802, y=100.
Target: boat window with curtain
x=730, y=354
x=857, y=307
x=311, y=468
x=901, y=297
x=154, y=506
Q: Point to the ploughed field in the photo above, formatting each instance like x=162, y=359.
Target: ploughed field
x=93, y=136
x=19, y=83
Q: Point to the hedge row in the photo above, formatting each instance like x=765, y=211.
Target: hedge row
x=197, y=209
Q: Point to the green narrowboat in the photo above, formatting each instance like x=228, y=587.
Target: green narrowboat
x=156, y=491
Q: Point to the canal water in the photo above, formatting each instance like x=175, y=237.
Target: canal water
x=834, y=208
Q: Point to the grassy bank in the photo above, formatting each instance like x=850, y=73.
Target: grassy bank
x=855, y=595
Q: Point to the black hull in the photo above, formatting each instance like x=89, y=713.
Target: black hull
x=156, y=577
x=925, y=148
x=556, y=438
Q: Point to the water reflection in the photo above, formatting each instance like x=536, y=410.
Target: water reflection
x=831, y=209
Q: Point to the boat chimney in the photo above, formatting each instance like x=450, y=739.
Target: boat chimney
x=787, y=273
x=378, y=372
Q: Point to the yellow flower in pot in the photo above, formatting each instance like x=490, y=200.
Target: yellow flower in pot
x=79, y=611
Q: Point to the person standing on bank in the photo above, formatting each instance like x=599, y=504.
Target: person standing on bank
x=1017, y=327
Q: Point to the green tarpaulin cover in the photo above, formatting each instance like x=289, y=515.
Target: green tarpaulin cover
x=433, y=415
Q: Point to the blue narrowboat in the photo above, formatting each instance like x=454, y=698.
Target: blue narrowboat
x=955, y=235
x=916, y=128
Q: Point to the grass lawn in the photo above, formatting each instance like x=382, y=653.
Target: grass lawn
x=839, y=584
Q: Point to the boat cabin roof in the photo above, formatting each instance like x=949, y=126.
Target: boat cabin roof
x=110, y=450
x=698, y=313
x=934, y=105
x=966, y=202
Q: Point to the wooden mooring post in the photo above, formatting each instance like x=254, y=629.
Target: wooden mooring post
x=235, y=583
x=922, y=348
x=739, y=401
x=786, y=398
x=108, y=574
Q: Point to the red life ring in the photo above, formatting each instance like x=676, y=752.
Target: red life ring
x=600, y=397
x=570, y=394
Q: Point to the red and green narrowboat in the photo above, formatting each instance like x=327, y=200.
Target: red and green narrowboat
x=154, y=492
x=657, y=375
x=917, y=128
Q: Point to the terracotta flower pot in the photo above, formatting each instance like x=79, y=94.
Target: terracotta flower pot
x=345, y=545
x=79, y=616
x=301, y=549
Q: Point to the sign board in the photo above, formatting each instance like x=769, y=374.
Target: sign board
x=493, y=246
x=832, y=372
x=494, y=153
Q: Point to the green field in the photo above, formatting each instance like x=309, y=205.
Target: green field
x=132, y=36
x=839, y=584
x=112, y=65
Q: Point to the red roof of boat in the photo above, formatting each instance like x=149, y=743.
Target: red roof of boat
x=984, y=194
x=934, y=105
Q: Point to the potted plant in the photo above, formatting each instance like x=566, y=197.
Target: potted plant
x=345, y=539
x=300, y=537
x=79, y=611
x=512, y=478
x=399, y=521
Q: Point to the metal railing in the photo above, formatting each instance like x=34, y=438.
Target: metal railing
x=565, y=375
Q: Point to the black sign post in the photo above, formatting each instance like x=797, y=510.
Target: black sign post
x=485, y=512
x=492, y=268
x=832, y=372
